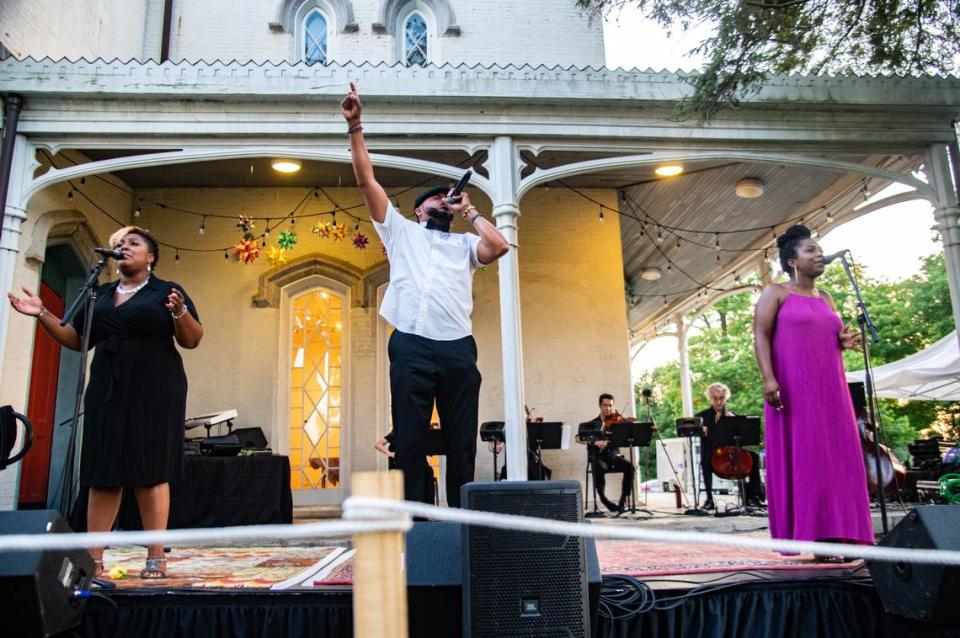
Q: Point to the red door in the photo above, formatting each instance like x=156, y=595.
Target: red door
x=41, y=407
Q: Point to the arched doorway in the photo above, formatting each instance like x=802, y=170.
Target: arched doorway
x=318, y=338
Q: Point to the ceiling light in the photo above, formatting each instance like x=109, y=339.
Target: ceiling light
x=668, y=170
x=286, y=165
x=651, y=273
x=749, y=188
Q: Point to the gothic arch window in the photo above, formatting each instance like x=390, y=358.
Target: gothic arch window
x=415, y=38
x=438, y=15
x=316, y=26
x=315, y=35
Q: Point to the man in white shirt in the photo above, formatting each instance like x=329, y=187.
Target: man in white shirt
x=433, y=356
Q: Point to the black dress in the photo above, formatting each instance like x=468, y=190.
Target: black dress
x=135, y=403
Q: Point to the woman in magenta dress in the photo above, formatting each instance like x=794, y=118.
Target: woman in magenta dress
x=816, y=481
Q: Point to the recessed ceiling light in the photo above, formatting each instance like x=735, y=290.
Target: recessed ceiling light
x=286, y=165
x=668, y=170
x=749, y=187
x=651, y=273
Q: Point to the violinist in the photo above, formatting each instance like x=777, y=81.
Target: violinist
x=605, y=458
x=533, y=468
x=718, y=394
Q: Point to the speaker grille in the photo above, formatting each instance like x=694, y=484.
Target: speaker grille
x=525, y=584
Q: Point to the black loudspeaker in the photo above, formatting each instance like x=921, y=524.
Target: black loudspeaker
x=923, y=592
x=522, y=583
x=434, y=579
x=40, y=585
x=251, y=438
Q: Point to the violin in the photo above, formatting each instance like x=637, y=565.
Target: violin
x=612, y=419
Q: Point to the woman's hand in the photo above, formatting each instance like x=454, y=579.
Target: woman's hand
x=175, y=303
x=849, y=338
x=31, y=305
x=771, y=393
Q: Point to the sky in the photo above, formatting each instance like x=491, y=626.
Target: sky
x=902, y=230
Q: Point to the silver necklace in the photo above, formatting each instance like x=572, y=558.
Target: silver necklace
x=129, y=291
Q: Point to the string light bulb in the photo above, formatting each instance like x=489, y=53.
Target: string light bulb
x=203, y=226
x=83, y=180
x=70, y=195
x=136, y=212
x=829, y=217
x=176, y=257
x=659, y=234
x=601, y=214
x=716, y=242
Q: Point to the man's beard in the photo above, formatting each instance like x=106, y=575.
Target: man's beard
x=439, y=219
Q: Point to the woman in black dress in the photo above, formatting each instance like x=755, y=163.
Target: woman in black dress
x=135, y=402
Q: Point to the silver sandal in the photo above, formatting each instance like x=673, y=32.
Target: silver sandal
x=155, y=568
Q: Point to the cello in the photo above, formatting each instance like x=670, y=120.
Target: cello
x=730, y=461
x=892, y=472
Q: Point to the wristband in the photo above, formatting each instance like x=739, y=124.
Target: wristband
x=180, y=316
x=356, y=128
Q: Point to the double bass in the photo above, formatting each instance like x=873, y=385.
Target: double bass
x=892, y=472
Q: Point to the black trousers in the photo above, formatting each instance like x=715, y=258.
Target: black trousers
x=753, y=490
x=605, y=461
x=423, y=371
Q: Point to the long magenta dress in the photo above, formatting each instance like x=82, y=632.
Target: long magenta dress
x=816, y=481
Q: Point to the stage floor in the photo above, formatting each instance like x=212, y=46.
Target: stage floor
x=328, y=563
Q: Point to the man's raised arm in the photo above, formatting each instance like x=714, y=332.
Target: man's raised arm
x=373, y=194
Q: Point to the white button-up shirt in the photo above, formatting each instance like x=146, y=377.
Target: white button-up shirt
x=430, y=293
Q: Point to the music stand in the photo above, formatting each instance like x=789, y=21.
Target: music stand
x=736, y=431
x=692, y=427
x=493, y=432
x=590, y=432
x=630, y=434
x=548, y=435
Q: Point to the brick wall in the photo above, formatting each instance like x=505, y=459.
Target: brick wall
x=75, y=28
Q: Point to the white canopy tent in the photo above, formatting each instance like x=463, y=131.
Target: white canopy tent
x=933, y=374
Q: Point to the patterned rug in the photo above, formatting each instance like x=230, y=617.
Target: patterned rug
x=634, y=558
x=222, y=567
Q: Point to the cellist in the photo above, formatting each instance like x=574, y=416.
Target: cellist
x=718, y=395
x=605, y=458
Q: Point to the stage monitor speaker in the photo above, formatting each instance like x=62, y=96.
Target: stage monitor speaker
x=923, y=592
x=40, y=585
x=522, y=583
x=434, y=579
x=251, y=438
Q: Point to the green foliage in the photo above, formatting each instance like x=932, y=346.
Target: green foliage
x=755, y=38
x=910, y=315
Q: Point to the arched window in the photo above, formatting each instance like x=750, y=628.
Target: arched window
x=315, y=30
x=415, y=40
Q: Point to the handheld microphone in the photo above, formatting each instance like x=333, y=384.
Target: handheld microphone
x=834, y=256
x=109, y=252
x=459, y=187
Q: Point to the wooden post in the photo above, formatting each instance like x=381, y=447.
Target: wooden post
x=379, y=578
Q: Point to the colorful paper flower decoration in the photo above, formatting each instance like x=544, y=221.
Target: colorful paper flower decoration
x=338, y=232
x=277, y=256
x=287, y=239
x=246, y=251
x=360, y=241
x=321, y=229
x=246, y=226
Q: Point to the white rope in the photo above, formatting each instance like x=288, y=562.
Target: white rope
x=617, y=532
x=208, y=536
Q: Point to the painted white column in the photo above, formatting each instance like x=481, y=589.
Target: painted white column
x=23, y=164
x=946, y=211
x=686, y=392
x=503, y=167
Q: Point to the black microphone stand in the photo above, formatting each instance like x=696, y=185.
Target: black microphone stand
x=865, y=324
x=646, y=402
x=88, y=298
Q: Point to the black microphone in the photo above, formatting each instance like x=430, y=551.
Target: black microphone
x=647, y=394
x=109, y=252
x=459, y=187
x=834, y=256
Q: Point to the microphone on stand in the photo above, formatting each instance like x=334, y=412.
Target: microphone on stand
x=834, y=256
x=109, y=252
x=647, y=395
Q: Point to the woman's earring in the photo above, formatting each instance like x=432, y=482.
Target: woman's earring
x=150, y=268
x=796, y=278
